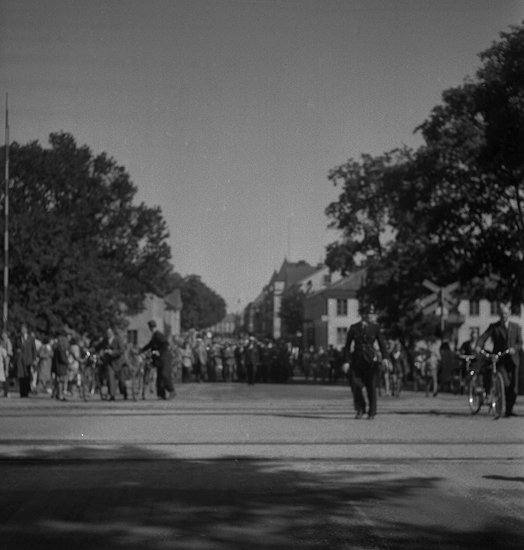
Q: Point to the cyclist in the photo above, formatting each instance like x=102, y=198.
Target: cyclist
x=505, y=335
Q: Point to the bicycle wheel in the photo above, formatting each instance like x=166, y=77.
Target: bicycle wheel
x=88, y=383
x=475, y=394
x=498, y=396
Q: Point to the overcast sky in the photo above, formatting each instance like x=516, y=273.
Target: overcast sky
x=229, y=114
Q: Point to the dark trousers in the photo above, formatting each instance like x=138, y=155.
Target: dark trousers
x=197, y=370
x=509, y=373
x=251, y=373
x=364, y=378
x=114, y=377
x=164, y=382
x=25, y=385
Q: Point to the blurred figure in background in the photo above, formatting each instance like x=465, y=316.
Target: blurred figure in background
x=26, y=359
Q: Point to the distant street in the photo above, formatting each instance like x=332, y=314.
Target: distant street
x=227, y=466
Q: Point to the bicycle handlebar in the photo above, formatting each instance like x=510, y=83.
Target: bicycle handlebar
x=494, y=355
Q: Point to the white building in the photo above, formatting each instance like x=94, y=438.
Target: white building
x=164, y=311
x=331, y=307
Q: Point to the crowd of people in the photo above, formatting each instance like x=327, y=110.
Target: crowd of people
x=32, y=364
x=56, y=365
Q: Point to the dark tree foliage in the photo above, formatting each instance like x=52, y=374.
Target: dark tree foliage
x=202, y=307
x=81, y=251
x=451, y=210
x=292, y=311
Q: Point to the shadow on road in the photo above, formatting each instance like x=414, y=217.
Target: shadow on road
x=505, y=478
x=227, y=504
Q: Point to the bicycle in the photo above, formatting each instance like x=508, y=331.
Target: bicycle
x=395, y=382
x=88, y=375
x=461, y=376
x=495, y=396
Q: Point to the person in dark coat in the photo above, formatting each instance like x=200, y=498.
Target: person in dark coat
x=59, y=366
x=363, y=360
x=26, y=358
x=252, y=359
x=113, y=350
x=506, y=336
x=162, y=361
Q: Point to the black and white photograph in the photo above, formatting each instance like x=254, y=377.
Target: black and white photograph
x=262, y=274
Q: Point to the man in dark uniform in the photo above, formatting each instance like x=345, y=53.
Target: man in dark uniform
x=112, y=348
x=26, y=358
x=162, y=361
x=506, y=336
x=252, y=359
x=363, y=360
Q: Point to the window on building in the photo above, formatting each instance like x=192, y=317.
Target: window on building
x=342, y=307
x=474, y=308
x=327, y=279
x=342, y=333
x=132, y=337
x=494, y=308
x=516, y=309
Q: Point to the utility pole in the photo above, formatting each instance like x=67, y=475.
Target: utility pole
x=6, y=218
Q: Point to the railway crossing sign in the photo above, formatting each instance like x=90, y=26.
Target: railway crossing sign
x=440, y=298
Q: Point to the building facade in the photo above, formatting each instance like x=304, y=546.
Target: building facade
x=262, y=316
x=331, y=306
x=331, y=309
x=164, y=311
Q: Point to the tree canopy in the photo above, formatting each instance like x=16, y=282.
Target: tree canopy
x=81, y=250
x=292, y=311
x=203, y=307
x=450, y=210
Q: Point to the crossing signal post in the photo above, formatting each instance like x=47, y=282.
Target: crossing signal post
x=439, y=301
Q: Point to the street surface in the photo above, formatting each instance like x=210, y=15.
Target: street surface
x=229, y=466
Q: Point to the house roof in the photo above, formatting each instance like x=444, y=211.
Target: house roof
x=174, y=300
x=292, y=272
x=347, y=286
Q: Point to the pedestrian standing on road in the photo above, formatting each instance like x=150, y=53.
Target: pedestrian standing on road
x=113, y=355
x=433, y=364
x=45, y=357
x=200, y=359
x=7, y=344
x=60, y=366
x=360, y=353
x=252, y=359
x=26, y=358
x=162, y=361
x=240, y=360
x=187, y=361
x=506, y=336
x=4, y=374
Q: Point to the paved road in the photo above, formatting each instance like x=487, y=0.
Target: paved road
x=228, y=466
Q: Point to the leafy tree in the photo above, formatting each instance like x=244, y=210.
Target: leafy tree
x=451, y=210
x=81, y=250
x=202, y=306
x=292, y=310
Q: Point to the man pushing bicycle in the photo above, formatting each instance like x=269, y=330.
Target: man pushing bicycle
x=505, y=336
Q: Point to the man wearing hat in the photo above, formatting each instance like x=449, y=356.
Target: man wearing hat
x=364, y=362
x=162, y=361
x=112, y=349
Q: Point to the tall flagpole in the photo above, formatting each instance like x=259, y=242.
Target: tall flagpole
x=6, y=217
